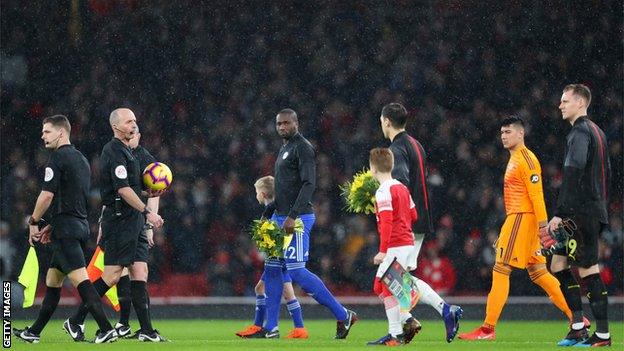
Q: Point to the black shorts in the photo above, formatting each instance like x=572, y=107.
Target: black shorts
x=119, y=239
x=64, y=226
x=582, y=248
x=69, y=237
x=67, y=254
x=142, y=250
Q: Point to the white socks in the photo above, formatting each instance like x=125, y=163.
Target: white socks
x=428, y=296
x=393, y=312
x=578, y=326
x=405, y=316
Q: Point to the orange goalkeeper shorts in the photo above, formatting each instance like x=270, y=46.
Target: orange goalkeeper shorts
x=518, y=244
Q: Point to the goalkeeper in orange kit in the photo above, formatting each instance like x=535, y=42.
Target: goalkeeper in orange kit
x=518, y=245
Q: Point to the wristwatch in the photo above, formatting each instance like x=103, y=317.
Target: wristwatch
x=31, y=221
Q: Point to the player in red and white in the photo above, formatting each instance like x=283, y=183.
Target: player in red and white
x=395, y=212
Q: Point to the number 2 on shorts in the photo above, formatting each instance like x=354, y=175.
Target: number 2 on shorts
x=290, y=253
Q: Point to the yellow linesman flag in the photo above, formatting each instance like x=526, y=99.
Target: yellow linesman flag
x=95, y=270
x=29, y=277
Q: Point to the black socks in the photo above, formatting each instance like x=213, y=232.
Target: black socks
x=101, y=288
x=91, y=301
x=125, y=299
x=50, y=301
x=597, y=295
x=140, y=301
x=572, y=293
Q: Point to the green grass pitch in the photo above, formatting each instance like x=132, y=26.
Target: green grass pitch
x=217, y=335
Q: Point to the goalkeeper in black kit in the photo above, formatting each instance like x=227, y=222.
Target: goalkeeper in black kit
x=581, y=214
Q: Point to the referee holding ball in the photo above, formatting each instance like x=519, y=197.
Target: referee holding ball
x=123, y=219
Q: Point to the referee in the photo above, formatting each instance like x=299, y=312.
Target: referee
x=126, y=287
x=582, y=203
x=66, y=184
x=122, y=219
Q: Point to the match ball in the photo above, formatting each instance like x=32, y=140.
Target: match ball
x=157, y=176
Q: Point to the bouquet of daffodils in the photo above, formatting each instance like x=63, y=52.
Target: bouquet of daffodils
x=270, y=238
x=359, y=193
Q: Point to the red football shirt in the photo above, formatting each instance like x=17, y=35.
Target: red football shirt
x=395, y=214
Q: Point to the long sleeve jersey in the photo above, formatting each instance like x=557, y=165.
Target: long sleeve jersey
x=410, y=168
x=586, y=172
x=523, y=190
x=295, y=177
x=396, y=213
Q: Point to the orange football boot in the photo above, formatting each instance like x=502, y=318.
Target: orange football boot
x=248, y=331
x=298, y=333
x=481, y=333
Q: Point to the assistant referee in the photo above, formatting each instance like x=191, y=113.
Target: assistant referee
x=66, y=185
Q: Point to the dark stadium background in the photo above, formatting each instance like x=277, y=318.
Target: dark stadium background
x=206, y=79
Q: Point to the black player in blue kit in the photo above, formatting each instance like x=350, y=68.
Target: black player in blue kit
x=295, y=182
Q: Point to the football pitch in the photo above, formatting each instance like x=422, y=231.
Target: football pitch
x=219, y=335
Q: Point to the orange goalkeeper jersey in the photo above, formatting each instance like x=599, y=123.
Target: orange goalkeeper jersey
x=523, y=185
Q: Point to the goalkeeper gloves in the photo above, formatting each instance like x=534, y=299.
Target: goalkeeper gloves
x=546, y=238
x=558, y=238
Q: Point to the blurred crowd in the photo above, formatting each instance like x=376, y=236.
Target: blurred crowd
x=206, y=81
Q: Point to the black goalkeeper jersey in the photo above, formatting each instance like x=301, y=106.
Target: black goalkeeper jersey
x=295, y=177
x=586, y=172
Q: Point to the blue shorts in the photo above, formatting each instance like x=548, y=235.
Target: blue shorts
x=272, y=261
x=299, y=249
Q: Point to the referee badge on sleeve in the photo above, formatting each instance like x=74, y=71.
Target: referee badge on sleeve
x=120, y=172
x=49, y=174
x=534, y=178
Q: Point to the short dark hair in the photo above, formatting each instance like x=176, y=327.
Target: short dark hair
x=579, y=90
x=58, y=121
x=512, y=120
x=289, y=111
x=396, y=113
x=382, y=158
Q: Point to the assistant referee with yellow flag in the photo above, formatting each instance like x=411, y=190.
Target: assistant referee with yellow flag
x=66, y=184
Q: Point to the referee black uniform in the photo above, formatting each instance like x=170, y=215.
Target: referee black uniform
x=121, y=224
x=410, y=168
x=68, y=176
